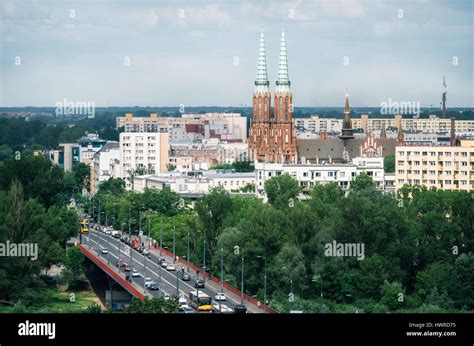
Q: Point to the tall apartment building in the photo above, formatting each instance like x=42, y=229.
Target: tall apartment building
x=148, y=150
x=230, y=127
x=318, y=125
x=432, y=124
x=443, y=167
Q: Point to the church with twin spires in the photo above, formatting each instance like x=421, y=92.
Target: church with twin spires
x=272, y=137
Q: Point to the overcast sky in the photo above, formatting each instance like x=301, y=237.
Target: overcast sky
x=205, y=52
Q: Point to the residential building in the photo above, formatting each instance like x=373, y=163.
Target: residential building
x=310, y=174
x=228, y=127
x=143, y=150
x=105, y=164
x=443, y=167
x=200, y=182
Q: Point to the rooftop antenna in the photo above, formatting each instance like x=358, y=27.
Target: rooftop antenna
x=444, y=109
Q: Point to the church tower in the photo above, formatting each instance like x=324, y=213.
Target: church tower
x=283, y=133
x=260, y=126
x=347, y=131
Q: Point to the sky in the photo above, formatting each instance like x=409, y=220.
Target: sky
x=200, y=52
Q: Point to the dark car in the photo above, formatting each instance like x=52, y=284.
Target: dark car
x=207, y=269
x=199, y=284
x=186, y=277
x=126, y=268
x=240, y=309
x=154, y=286
x=120, y=263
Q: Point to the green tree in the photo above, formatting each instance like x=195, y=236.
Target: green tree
x=362, y=182
x=393, y=295
x=389, y=163
x=156, y=305
x=281, y=190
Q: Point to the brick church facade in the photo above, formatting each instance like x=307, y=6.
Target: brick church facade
x=272, y=137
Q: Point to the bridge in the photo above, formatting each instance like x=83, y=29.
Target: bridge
x=170, y=282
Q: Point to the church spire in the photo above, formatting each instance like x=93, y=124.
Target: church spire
x=283, y=81
x=400, y=138
x=383, y=134
x=262, y=83
x=347, y=131
x=347, y=110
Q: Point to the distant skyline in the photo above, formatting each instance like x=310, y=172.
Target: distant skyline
x=199, y=53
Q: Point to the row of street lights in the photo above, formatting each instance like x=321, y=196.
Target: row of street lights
x=265, y=301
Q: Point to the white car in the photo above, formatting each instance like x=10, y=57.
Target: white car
x=171, y=267
x=108, y=232
x=145, y=252
x=182, y=301
x=104, y=251
x=135, y=273
x=148, y=282
x=220, y=296
x=166, y=295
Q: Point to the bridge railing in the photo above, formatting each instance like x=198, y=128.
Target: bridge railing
x=111, y=272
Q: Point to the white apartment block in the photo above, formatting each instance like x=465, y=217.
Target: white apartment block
x=105, y=164
x=432, y=124
x=202, y=182
x=231, y=127
x=308, y=175
x=148, y=150
x=448, y=168
x=318, y=125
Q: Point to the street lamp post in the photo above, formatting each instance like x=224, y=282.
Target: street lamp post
x=149, y=234
x=291, y=292
x=130, y=237
x=242, y=283
x=222, y=275
x=174, y=241
x=161, y=239
x=140, y=219
x=99, y=211
x=264, y=282
x=204, y=258
x=144, y=275
x=187, y=258
x=113, y=222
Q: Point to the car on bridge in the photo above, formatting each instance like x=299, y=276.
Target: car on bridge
x=166, y=295
x=186, y=277
x=164, y=264
x=199, y=284
x=126, y=267
x=104, y=251
x=148, y=282
x=154, y=286
x=240, y=309
x=135, y=273
x=120, y=263
x=186, y=309
x=171, y=267
x=220, y=296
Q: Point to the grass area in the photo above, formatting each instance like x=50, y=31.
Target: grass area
x=58, y=302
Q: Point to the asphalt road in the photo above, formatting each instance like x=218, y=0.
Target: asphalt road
x=121, y=251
